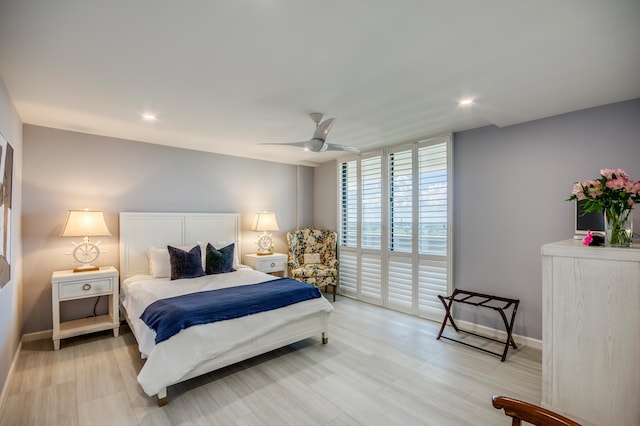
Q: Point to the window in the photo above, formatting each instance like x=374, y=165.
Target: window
x=395, y=212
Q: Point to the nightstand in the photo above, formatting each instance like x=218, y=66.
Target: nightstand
x=276, y=262
x=69, y=285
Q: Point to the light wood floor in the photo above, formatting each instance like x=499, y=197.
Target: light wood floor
x=379, y=368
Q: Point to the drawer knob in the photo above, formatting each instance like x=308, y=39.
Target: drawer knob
x=273, y=264
x=87, y=286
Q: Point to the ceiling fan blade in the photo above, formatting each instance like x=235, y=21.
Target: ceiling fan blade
x=323, y=129
x=317, y=143
x=336, y=147
x=298, y=144
x=313, y=145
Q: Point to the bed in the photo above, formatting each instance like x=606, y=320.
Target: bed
x=202, y=348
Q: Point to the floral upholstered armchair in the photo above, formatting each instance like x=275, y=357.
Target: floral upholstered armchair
x=312, y=257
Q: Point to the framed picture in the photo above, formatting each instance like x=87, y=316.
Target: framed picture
x=6, y=174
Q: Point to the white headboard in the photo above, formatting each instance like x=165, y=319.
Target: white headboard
x=140, y=231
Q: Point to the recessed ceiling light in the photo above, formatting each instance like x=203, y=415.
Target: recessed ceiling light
x=465, y=102
x=147, y=116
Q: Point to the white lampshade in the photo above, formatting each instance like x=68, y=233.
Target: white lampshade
x=264, y=221
x=84, y=223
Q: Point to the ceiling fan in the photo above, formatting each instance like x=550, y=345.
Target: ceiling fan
x=318, y=143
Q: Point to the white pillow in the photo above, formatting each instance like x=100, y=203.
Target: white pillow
x=159, y=262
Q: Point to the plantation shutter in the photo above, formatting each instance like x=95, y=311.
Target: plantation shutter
x=432, y=279
x=401, y=201
x=371, y=178
x=371, y=240
x=348, y=238
x=348, y=272
x=401, y=206
x=433, y=199
x=395, y=212
x=349, y=204
x=433, y=218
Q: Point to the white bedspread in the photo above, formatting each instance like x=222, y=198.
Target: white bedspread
x=169, y=361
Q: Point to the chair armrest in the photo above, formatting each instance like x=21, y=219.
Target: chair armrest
x=293, y=264
x=333, y=263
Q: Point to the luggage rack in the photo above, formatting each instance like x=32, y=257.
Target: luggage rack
x=484, y=301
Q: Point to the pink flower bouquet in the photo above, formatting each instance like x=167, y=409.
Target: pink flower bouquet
x=614, y=193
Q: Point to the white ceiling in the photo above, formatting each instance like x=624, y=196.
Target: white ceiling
x=223, y=76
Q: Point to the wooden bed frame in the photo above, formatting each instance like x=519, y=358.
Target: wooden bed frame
x=140, y=231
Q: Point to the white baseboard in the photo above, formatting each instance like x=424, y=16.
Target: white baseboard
x=499, y=334
x=38, y=335
x=5, y=388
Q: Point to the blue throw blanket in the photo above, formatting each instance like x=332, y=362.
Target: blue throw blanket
x=168, y=316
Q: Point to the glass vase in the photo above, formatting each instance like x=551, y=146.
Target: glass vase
x=618, y=228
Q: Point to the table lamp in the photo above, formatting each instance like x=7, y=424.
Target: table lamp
x=264, y=222
x=85, y=223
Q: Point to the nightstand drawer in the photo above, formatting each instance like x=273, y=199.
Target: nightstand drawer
x=271, y=265
x=86, y=288
x=276, y=262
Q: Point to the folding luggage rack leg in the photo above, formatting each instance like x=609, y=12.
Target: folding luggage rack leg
x=471, y=298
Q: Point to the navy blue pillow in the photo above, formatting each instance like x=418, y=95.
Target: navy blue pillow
x=185, y=264
x=219, y=261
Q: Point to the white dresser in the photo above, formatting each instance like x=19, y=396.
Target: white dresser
x=591, y=332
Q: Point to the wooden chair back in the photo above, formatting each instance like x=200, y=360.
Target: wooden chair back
x=523, y=411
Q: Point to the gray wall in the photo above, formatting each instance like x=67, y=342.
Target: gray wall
x=325, y=196
x=67, y=170
x=304, y=208
x=11, y=293
x=509, y=190
x=510, y=186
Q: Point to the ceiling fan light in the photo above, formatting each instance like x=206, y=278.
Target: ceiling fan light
x=148, y=116
x=315, y=145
